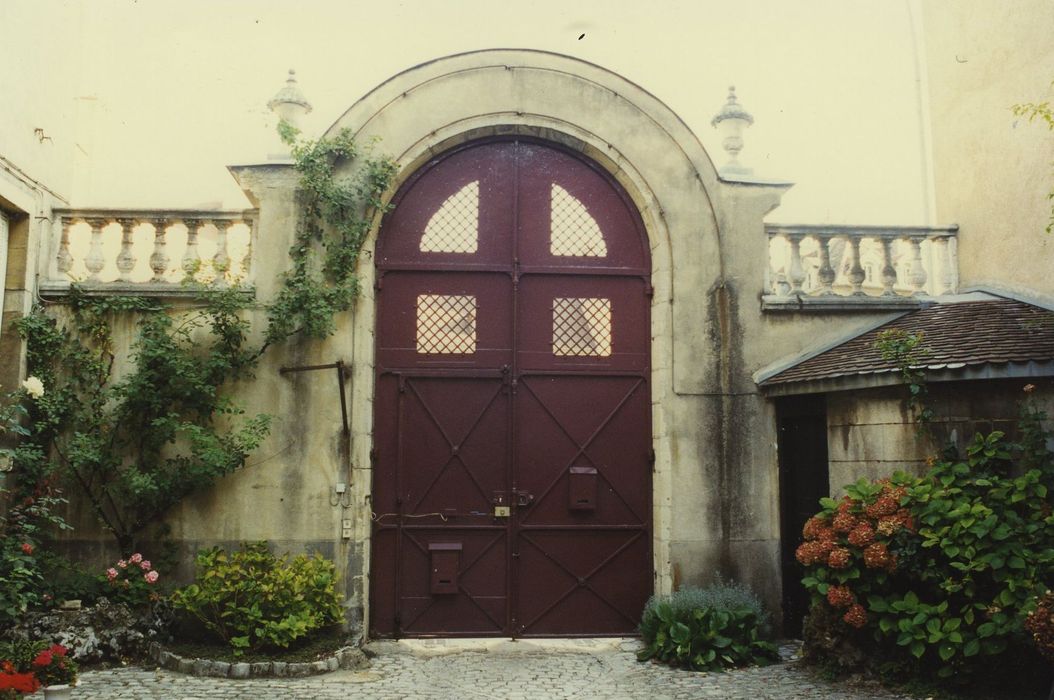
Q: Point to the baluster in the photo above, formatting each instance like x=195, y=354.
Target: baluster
x=918, y=272
x=64, y=259
x=191, y=259
x=221, y=262
x=795, y=273
x=159, y=258
x=826, y=274
x=125, y=259
x=947, y=266
x=889, y=272
x=246, y=260
x=856, y=271
x=95, y=261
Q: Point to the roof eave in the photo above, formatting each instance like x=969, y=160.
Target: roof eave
x=874, y=380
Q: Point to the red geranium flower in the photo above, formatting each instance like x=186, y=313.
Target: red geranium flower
x=27, y=548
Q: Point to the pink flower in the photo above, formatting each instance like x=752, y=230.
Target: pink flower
x=151, y=577
x=111, y=573
x=136, y=558
x=145, y=565
x=122, y=564
x=27, y=548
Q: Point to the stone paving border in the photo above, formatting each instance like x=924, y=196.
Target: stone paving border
x=347, y=658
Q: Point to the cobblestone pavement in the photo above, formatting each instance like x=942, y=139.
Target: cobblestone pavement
x=581, y=669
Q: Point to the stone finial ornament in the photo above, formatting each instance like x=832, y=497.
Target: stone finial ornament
x=730, y=122
x=289, y=103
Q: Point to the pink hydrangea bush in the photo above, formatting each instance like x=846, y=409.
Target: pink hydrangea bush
x=133, y=581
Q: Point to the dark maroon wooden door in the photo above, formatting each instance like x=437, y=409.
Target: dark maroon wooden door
x=512, y=472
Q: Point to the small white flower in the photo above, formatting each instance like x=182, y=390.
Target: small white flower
x=34, y=387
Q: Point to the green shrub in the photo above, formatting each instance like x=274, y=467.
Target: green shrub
x=22, y=529
x=253, y=600
x=711, y=628
x=66, y=580
x=946, y=568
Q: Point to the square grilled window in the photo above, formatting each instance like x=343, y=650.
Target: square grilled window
x=446, y=324
x=582, y=327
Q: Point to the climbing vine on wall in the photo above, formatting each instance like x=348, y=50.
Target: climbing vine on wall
x=331, y=229
x=134, y=444
x=1044, y=112
x=905, y=350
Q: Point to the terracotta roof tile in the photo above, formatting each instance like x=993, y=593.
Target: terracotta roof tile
x=955, y=335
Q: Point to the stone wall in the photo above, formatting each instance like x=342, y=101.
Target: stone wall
x=871, y=433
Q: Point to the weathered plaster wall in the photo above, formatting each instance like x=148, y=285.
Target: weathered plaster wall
x=992, y=169
x=715, y=479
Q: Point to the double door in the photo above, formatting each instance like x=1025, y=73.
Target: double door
x=512, y=441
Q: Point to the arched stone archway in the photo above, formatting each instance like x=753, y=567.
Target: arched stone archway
x=714, y=486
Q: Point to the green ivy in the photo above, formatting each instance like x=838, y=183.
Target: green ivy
x=332, y=227
x=907, y=352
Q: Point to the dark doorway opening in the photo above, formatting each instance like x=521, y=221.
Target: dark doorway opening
x=804, y=480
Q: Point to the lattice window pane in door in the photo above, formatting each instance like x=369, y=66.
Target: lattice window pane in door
x=454, y=228
x=572, y=230
x=446, y=324
x=582, y=327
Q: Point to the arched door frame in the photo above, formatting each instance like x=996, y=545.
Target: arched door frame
x=640, y=143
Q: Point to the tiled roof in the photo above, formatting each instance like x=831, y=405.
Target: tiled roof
x=954, y=335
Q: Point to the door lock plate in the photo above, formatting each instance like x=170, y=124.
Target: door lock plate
x=502, y=511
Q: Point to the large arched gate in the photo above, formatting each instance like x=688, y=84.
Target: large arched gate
x=512, y=427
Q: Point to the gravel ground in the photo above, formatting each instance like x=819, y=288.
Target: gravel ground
x=535, y=669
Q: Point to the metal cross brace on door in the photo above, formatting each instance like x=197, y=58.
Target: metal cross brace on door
x=345, y=424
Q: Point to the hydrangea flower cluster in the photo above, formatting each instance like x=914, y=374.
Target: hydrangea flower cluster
x=855, y=533
x=133, y=578
x=1040, y=624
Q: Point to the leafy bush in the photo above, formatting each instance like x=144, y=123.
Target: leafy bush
x=947, y=567
x=21, y=531
x=67, y=580
x=709, y=628
x=251, y=599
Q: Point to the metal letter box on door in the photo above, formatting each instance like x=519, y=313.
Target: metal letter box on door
x=446, y=559
x=583, y=491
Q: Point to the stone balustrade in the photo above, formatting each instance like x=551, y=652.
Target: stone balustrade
x=149, y=251
x=836, y=267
